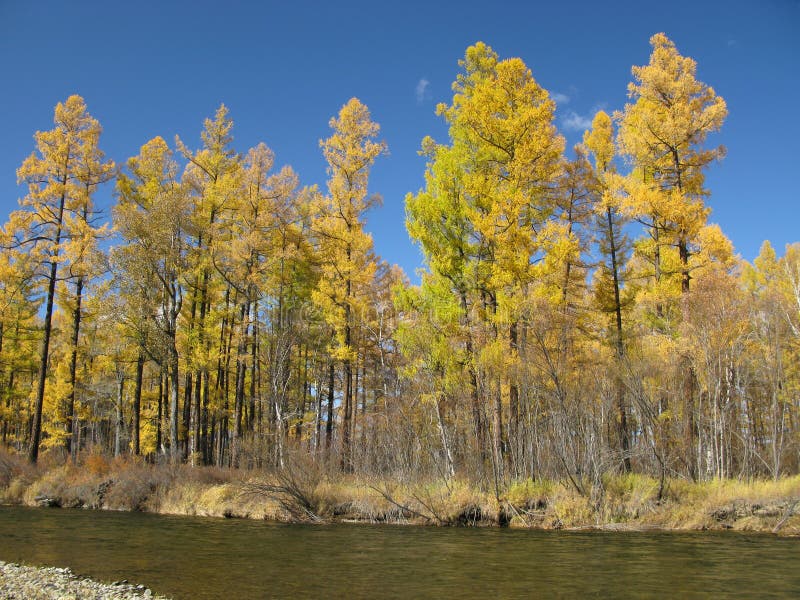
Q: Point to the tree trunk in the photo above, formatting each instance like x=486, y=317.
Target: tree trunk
x=137, y=402
x=161, y=389
x=36, y=425
x=329, y=422
x=683, y=253
x=513, y=404
x=118, y=424
x=201, y=377
x=477, y=411
x=622, y=417
x=239, y=390
x=174, y=449
x=70, y=439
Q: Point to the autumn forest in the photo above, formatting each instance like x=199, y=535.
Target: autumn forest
x=578, y=314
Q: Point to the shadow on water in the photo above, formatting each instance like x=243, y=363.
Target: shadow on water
x=199, y=558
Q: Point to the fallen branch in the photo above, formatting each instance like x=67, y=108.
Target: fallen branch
x=790, y=508
x=403, y=507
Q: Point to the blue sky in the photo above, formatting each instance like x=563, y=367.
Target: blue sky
x=283, y=69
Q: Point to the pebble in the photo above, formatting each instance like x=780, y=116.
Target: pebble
x=18, y=582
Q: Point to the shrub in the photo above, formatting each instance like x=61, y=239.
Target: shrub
x=97, y=464
x=528, y=494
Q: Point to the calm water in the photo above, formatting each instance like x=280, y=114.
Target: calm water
x=213, y=558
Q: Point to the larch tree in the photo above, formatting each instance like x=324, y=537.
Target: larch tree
x=86, y=262
x=213, y=177
x=437, y=334
x=152, y=216
x=261, y=257
x=61, y=176
x=345, y=249
x=614, y=247
x=662, y=133
x=508, y=155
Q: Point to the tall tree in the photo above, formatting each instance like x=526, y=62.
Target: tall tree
x=348, y=264
x=61, y=175
x=86, y=261
x=662, y=133
x=152, y=215
x=503, y=162
x=614, y=246
x=213, y=176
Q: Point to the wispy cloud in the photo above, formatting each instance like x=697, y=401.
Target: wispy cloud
x=576, y=122
x=422, y=87
x=560, y=98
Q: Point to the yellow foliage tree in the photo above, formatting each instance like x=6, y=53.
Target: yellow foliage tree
x=347, y=262
x=61, y=175
x=662, y=133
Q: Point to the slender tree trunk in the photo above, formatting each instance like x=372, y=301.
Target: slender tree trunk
x=175, y=451
x=499, y=438
x=7, y=394
x=239, y=391
x=70, y=440
x=448, y=455
x=137, y=402
x=683, y=253
x=302, y=376
x=622, y=417
x=161, y=389
x=690, y=431
x=513, y=404
x=201, y=375
x=36, y=425
x=254, y=368
x=118, y=423
x=346, y=459
x=317, y=419
x=225, y=434
x=213, y=445
x=477, y=411
x=329, y=422
x=186, y=413
x=189, y=378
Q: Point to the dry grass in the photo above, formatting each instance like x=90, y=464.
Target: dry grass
x=731, y=504
x=632, y=500
x=307, y=491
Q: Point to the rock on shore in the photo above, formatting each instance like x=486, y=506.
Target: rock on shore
x=19, y=582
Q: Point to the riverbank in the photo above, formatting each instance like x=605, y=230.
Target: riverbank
x=18, y=582
x=308, y=493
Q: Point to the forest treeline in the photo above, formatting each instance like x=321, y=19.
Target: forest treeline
x=577, y=313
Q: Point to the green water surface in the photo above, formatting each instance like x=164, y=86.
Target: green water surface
x=190, y=558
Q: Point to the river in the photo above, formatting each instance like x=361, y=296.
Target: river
x=196, y=558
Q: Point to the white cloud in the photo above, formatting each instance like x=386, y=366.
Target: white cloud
x=422, y=87
x=560, y=98
x=576, y=122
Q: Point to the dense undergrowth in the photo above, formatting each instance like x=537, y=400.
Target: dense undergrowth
x=307, y=492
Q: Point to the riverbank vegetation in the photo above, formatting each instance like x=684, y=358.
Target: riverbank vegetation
x=584, y=346
x=308, y=494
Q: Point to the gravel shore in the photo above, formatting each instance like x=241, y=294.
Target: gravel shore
x=19, y=582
